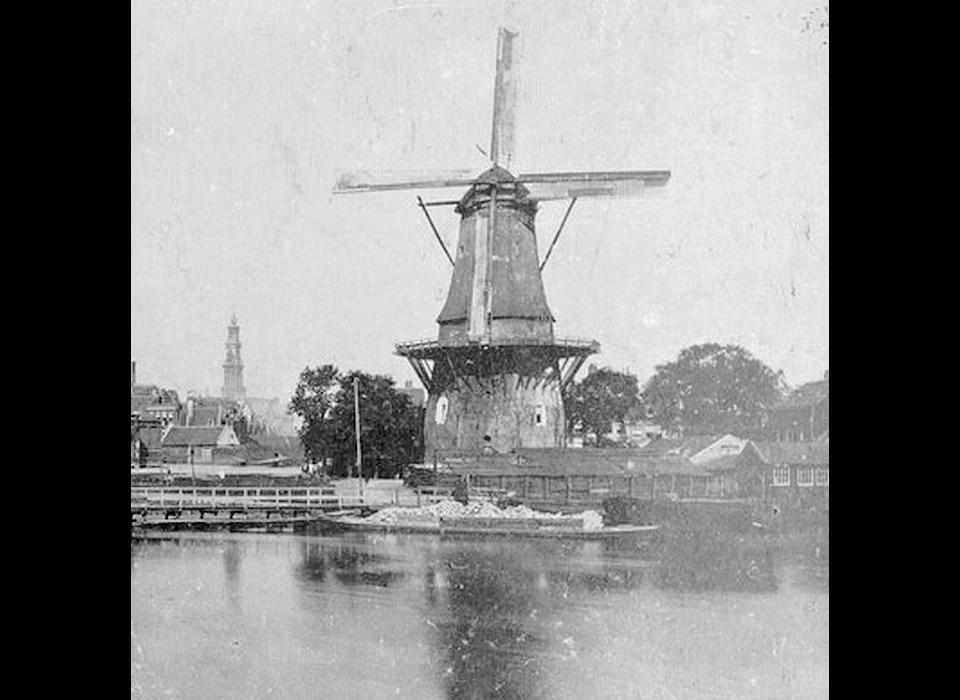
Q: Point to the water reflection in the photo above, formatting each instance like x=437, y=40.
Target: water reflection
x=421, y=617
x=694, y=560
x=232, y=554
x=485, y=625
x=350, y=565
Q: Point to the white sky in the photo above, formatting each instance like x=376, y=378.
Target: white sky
x=242, y=111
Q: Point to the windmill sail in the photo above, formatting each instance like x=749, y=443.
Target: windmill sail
x=549, y=186
x=505, y=98
x=354, y=181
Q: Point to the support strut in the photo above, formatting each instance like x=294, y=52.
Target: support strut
x=435, y=232
x=557, y=235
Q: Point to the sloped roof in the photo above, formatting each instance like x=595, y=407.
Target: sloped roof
x=686, y=447
x=205, y=416
x=725, y=462
x=794, y=452
x=697, y=443
x=810, y=394
x=151, y=437
x=185, y=436
x=574, y=462
x=660, y=447
x=139, y=402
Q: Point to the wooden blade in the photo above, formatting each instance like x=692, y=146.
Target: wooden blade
x=349, y=182
x=505, y=98
x=548, y=186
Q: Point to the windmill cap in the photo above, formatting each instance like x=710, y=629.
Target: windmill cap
x=495, y=176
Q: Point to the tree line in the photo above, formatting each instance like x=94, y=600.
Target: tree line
x=710, y=388
x=391, y=427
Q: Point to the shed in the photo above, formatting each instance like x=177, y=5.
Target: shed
x=200, y=444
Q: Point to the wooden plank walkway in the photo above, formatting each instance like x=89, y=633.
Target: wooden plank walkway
x=233, y=508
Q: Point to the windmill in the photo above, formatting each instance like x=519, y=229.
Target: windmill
x=496, y=375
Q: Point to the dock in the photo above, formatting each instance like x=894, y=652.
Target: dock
x=205, y=508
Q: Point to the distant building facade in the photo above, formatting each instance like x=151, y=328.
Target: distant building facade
x=149, y=402
x=790, y=476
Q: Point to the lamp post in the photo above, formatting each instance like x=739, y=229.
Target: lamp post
x=356, y=417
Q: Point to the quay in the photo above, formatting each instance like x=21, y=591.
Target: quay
x=273, y=507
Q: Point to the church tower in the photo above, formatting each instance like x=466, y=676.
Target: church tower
x=233, y=365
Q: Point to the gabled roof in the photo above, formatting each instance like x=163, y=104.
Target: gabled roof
x=697, y=443
x=810, y=394
x=794, y=452
x=185, y=436
x=151, y=437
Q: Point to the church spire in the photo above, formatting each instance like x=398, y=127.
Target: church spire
x=233, y=365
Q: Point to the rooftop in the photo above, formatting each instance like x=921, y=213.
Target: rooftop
x=185, y=436
x=794, y=452
x=810, y=394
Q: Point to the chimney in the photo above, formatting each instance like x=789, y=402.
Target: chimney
x=133, y=372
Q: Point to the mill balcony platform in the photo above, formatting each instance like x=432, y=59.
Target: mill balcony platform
x=430, y=348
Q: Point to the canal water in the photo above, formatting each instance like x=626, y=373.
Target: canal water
x=359, y=615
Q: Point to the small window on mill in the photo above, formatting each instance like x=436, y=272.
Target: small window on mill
x=441, y=415
x=541, y=415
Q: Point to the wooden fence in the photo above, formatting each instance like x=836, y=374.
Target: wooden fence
x=577, y=489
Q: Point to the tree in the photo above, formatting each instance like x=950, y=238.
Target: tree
x=241, y=428
x=313, y=400
x=711, y=388
x=390, y=427
x=604, y=396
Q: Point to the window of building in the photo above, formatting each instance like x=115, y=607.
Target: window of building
x=823, y=476
x=541, y=415
x=441, y=415
x=805, y=476
x=781, y=476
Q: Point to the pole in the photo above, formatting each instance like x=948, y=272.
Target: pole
x=435, y=232
x=356, y=413
x=559, y=230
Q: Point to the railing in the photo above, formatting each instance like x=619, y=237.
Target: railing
x=247, y=497
x=426, y=344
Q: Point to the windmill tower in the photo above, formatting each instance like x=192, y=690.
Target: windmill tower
x=496, y=374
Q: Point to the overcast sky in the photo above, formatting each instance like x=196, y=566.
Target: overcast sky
x=241, y=112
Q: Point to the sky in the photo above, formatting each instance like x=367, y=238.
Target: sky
x=243, y=112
